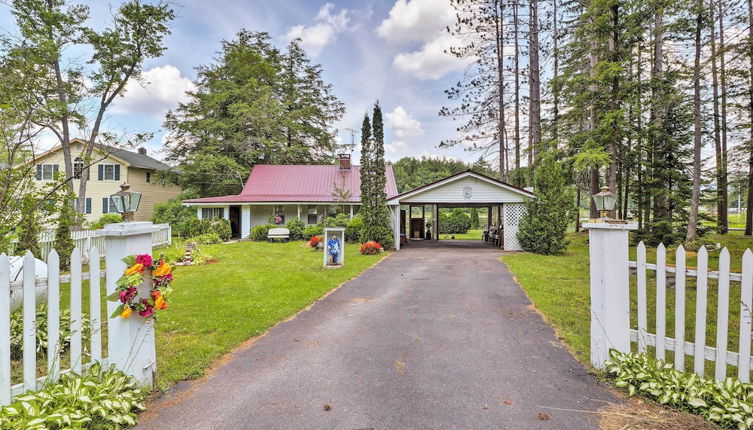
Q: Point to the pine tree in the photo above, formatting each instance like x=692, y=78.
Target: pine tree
x=475, y=223
x=544, y=225
x=28, y=227
x=366, y=174
x=63, y=241
x=377, y=219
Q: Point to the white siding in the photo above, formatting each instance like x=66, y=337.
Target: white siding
x=453, y=192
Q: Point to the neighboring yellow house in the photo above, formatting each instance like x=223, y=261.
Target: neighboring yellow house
x=119, y=166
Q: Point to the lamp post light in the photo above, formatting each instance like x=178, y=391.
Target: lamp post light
x=604, y=201
x=126, y=202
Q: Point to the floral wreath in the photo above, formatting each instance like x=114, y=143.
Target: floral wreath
x=126, y=288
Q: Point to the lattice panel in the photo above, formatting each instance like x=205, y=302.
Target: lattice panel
x=513, y=212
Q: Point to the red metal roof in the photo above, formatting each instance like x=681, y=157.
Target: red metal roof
x=300, y=183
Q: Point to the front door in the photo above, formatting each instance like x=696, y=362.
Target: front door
x=235, y=220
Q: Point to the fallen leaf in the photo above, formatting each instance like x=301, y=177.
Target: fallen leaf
x=506, y=402
x=327, y=408
x=485, y=407
x=543, y=416
x=399, y=366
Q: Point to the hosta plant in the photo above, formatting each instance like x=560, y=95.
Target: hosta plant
x=96, y=399
x=728, y=403
x=17, y=333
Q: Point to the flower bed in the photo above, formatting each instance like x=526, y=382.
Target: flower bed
x=371, y=248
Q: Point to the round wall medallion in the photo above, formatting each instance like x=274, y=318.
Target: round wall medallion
x=467, y=192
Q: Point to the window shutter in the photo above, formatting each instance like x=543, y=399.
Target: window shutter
x=88, y=205
x=55, y=168
x=104, y=204
x=117, y=172
x=39, y=172
x=100, y=172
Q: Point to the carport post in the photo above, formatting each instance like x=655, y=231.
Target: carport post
x=610, y=295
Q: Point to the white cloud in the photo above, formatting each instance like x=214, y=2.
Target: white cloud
x=324, y=31
x=402, y=124
x=432, y=61
x=159, y=89
x=416, y=20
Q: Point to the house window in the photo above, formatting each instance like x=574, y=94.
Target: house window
x=280, y=210
x=78, y=167
x=148, y=177
x=212, y=213
x=108, y=172
x=46, y=172
x=312, y=215
x=107, y=205
x=87, y=205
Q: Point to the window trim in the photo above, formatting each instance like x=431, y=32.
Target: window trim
x=54, y=168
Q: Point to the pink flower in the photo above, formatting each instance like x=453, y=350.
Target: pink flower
x=123, y=296
x=128, y=294
x=144, y=259
x=148, y=309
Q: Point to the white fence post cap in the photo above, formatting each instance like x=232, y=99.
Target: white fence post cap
x=129, y=228
x=609, y=226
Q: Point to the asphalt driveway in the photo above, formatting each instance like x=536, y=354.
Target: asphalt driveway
x=430, y=338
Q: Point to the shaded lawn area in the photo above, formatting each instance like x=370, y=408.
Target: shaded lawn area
x=558, y=285
x=253, y=286
x=469, y=235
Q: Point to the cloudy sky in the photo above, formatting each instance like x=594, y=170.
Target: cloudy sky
x=390, y=50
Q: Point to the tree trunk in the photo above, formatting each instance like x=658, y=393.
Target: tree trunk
x=715, y=103
x=516, y=35
x=594, y=190
x=614, y=102
x=555, y=91
x=749, y=209
x=696, y=192
x=723, y=221
x=661, y=202
x=65, y=142
x=500, y=29
x=534, y=83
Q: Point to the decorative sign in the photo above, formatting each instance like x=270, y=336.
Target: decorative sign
x=467, y=192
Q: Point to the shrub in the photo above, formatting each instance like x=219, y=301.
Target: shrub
x=221, y=228
x=542, y=228
x=296, y=228
x=194, y=227
x=174, y=213
x=259, y=232
x=312, y=230
x=63, y=241
x=114, y=399
x=106, y=219
x=28, y=227
x=353, y=229
x=727, y=403
x=455, y=222
x=341, y=220
x=206, y=239
x=316, y=241
x=371, y=248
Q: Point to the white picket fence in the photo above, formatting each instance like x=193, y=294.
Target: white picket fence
x=29, y=287
x=86, y=240
x=698, y=349
x=23, y=289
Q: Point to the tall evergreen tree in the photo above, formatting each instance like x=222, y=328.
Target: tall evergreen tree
x=377, y=219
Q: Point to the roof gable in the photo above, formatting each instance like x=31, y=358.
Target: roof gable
x=127, y=158
x=464, y=187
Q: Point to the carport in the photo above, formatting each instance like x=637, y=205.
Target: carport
x=505, y=206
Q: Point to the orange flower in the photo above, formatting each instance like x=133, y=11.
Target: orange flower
x=136, y=268
x=158, y=302
x=164, y=305
x=162, y=270
x=126, y=312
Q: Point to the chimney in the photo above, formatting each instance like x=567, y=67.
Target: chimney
x=142, y=151
x=344, y=161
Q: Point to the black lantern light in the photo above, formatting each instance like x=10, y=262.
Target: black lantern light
x=604, y=201
x=126, y=202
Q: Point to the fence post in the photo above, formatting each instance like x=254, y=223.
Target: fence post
x=130, y=344
x=610, y=296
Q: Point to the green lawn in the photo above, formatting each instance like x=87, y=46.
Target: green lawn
x=558, y=285
x=469, y=235
x=253, y=286
x=216, y=307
